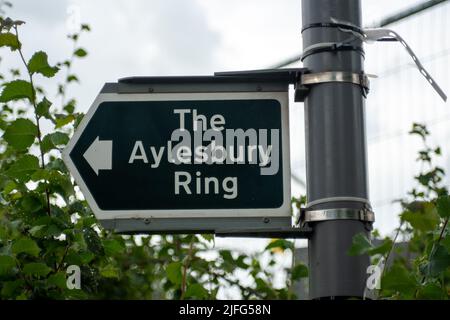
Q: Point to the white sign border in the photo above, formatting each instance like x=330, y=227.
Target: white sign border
x=283, y=211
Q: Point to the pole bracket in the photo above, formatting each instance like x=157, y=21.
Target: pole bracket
x=300, y=78
x=380, y=34
x=360, y=79
x=309, y=216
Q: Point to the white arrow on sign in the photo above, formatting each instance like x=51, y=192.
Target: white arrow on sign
x=99, y=155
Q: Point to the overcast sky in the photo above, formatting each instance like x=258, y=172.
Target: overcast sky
x=168, y=37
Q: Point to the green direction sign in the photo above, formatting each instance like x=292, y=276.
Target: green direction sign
x=178, y=160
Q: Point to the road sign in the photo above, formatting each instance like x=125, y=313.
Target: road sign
x=186, y=154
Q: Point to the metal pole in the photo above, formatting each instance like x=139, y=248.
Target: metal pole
x=335, y=152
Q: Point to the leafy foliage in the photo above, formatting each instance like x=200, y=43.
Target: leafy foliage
x=421, y=269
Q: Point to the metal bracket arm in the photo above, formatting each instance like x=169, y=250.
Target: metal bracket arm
x=301, y=79
x=360, y=79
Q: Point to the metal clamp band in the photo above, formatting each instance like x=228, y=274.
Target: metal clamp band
x=333, y=25
x=365, y=215
x=365, y=201
x=360, y=79
x=331, y=46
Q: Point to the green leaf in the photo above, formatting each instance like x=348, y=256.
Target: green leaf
x=36, y=269
x=446, y=242
x=439, y=261
x=58, y=280
x=16, y=90
x=399, y=279
x=93, y=241
x=85, y=257
x=73, y=37
x=59, y=138
x=438, y=151
x=80, y=52
x=72, y=78
x=75, y=294
x=11, y=288
x=37, y=231
x=89, y=220
x=20, y=134
x=70, y=106
x=79, y=257
x=39, y=64
x=41, y=174
x=47, y=144
x=62, y=120
x=53, y=140
x=58, y=165
x=262, y=286
x=430, y=291
x=113, y=247
x=62, y=185
x=15, y=72
x=420, y=130
x=23, y=168
x=196, y=291
x=443, y=206
x=173, y=272
x=299, y=271
x=78, y=118
x=280, y=243
x=7, y=263
x=383, y=248
x=240, y=262
x=9, y=186
x=208, y=237
x=423, y=218
x=31, y=203
x=43, y=107
x=10, y=40
x=226, y=256
x=25, y=245
x=360, y=245
x=110, y=271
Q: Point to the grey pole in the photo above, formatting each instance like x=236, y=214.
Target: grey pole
x=335, y=151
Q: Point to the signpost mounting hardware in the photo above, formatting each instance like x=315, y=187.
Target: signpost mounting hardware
x=382, y=34
x=301, y=78
x=360, y=79
x=308, y=216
